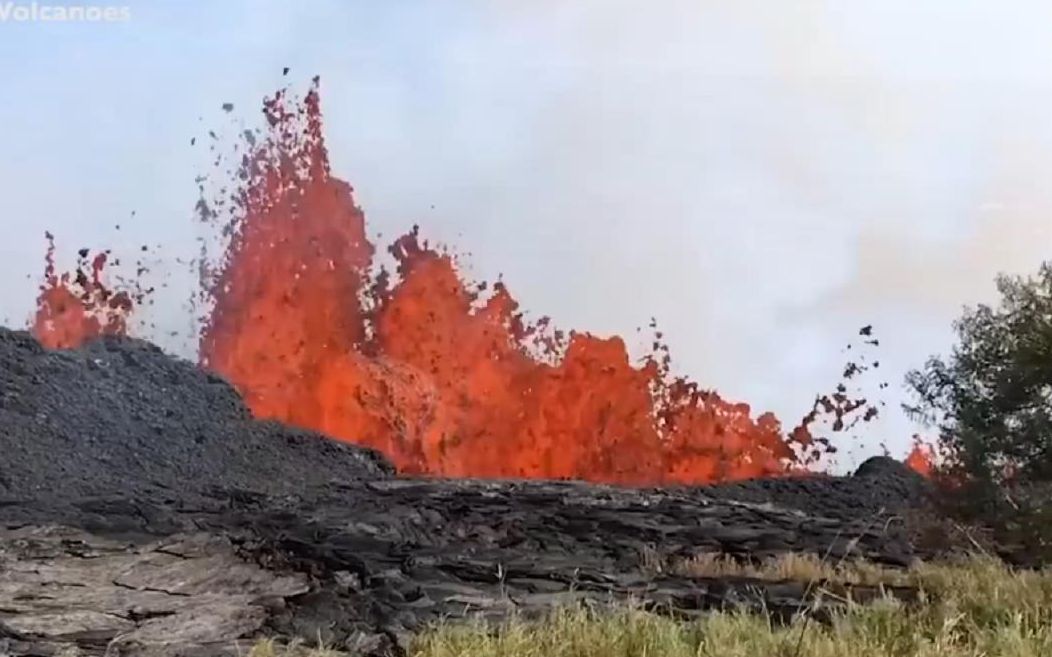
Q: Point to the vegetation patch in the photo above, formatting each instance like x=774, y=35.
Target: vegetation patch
x=977, y=608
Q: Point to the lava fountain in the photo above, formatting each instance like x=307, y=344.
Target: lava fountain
x=78, y=306
x=444, y=377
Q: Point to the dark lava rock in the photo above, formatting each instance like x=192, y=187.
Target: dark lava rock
x=884, y=466
x=157, y=472
x=877, y=487
x=895, y=483
x=120, y=415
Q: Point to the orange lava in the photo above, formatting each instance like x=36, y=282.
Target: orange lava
x=444, y=378
x=921, y=458
x=72, y=308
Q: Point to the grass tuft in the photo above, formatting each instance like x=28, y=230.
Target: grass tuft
x=978, y=608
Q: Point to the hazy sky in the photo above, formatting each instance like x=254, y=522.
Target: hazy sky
x=762, y=177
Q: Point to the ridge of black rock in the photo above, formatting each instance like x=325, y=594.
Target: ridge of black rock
x=128, y=449
x=120, y=415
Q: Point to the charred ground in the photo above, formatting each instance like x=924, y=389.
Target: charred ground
x=143, y=481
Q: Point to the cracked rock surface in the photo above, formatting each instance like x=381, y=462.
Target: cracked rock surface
x=64, y=589
x=142, y=511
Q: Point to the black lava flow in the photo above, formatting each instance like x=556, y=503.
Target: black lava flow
x=119, y=415
x=121, y=440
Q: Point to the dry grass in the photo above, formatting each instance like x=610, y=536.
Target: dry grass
x=269, y=648
x=975, y=609
x=791, y=566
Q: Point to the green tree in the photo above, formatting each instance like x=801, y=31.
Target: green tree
x=991, y=399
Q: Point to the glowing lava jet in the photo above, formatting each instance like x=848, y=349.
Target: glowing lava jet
x=72, y=308
x=443, y=377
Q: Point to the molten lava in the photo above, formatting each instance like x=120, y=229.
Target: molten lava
x=443, y=377
x=921, y=457
x=72, y=308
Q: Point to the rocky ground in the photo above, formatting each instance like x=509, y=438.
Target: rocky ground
x=142, y=511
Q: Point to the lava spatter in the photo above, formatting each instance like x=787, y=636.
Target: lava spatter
x=75, y=307
x=444, y=377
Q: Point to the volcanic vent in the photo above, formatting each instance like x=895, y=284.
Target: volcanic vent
x=442, y=376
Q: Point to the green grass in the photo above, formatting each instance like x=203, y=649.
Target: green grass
x=974, y=609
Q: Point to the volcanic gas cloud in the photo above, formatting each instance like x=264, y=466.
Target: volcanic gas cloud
x=444, y=377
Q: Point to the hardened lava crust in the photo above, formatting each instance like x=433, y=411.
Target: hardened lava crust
x=146, y=484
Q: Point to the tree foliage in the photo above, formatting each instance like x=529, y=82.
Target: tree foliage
x=991, y=399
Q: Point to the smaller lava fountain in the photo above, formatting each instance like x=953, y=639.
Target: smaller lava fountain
x=922, y=457
x=72, y=308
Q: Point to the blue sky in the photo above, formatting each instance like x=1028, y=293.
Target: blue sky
x=763, y=178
